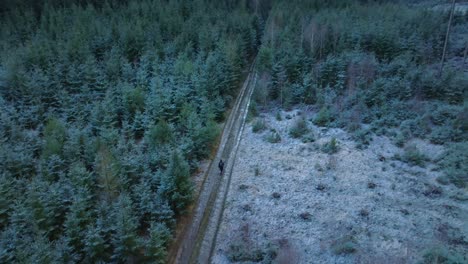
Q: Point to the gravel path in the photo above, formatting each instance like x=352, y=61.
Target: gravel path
x=195, y=242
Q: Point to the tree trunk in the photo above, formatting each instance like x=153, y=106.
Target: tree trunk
x=447, y=35
x=464, y=54
x=281, y=95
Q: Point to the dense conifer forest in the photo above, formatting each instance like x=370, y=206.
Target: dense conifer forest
x=108, y=107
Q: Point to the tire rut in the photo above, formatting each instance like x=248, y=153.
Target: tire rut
x=196, y=242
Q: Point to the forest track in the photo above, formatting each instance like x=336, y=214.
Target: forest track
x=196, y=242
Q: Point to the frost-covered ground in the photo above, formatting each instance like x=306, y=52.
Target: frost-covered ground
x=355, y=206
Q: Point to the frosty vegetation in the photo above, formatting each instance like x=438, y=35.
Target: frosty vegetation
x=370, y=67
x=106, y=108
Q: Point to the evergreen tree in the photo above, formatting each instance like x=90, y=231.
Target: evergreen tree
x=176, y=184
x=54, y=134
x=96, y=247
x=159, y=236
x=77, y=220
x=7, y=196
x=108, y=171
x=161, y=133
x=125, y=240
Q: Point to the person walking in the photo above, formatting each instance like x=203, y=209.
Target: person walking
x=221, y=166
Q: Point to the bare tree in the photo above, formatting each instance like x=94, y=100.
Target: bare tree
x=322, y=40
x=465, y=53
x=447, y=35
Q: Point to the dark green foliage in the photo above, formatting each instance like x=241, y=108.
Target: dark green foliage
x=258, y=125
x=273, y=136
x=444, y=134
x=176, y=184
x=125, y=239
x=108, y=171
x=89, y=172
x=413, y=156
x=95, y=97
x=278, y=116
x=159, y=134
x=253, y=110
x=345, y=248
x=54, y=136
x=265, y=58
x=243, y=248
x=309, y=137
x=363, y=62
x=331, y=147
x=450, y=124
x=6, y=199
x=299, y=128
x=323, y=117
x=257, y=170
x=159, y=237
x=96, y=247
x=442, y=255
x=204, y=139
x=444, y=114
x=134, y=101
x=362, y=138
x=454, y=163
x=240, y=253
x=47, y=205
x=344, y=245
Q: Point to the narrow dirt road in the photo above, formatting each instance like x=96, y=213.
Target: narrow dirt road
x=196, y=242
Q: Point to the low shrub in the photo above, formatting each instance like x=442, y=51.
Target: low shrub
x=444, y=180
x=323, y=117
x=278, y=116
x=460, y=196
x=273, y=137
x=299, y=128
x=444, y=114
x=412, y=156
x=363, y=213
x=344, y=245
x=362, y=137
x=418, y=127
x=432, y=191
x=238, y=252
x=318, y=167
x=258, y=125
x=305, y=216
x=243, y=249
x=257, y=170
x=321, y=187
x=444, y=134
x=443, y=256
x=454, y=164
x=332, y=163
x=400, y=140
x=253, y=109
x=309, y=137
x=345, y=248
x=331, y=146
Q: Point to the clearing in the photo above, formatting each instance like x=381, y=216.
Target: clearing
x=291, y=202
